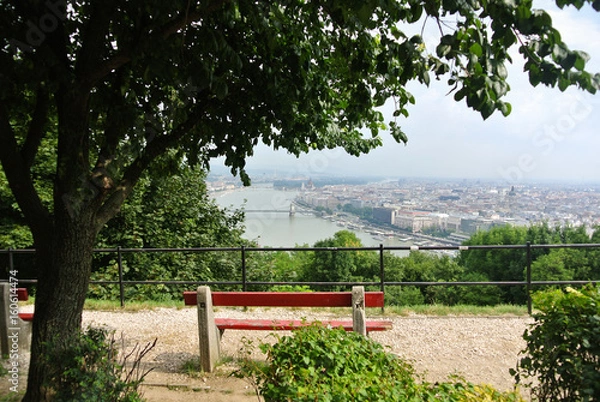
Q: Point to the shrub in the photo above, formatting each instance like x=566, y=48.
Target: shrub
x=317, y=363
x=563, y=346
x=87, y=368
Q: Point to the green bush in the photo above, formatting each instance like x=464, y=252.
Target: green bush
x=562, y=356
x=86, y=367
x=317, y=363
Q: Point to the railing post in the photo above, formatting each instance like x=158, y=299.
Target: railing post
x=529, y=303
x=121, y=290
x=244, y=285
x=381, y=273
x=11, y=265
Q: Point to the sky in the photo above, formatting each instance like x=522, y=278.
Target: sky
x=550, y=135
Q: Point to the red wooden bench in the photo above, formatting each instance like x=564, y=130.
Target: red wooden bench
x=211, y=328
x=287, y=299
x=23, y=295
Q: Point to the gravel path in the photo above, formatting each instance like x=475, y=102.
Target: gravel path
x=481, y=349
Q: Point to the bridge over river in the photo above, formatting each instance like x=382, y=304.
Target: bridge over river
x=293, y=210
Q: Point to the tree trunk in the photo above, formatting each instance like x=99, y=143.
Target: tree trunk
x=64, y=265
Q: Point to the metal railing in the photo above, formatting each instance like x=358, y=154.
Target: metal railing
x=527, y=283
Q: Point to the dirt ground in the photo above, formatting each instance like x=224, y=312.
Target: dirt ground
x=213, y=387
x=480, y=349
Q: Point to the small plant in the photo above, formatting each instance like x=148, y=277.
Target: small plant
x=88, y=367
x=563, y=346
x=318, y=363
x=191, y=368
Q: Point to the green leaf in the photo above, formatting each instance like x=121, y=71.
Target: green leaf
x=443, y=50
x=476, y=49
x=460, y=94
x=505, y=108
x=501, y=71
x=535, y=76
x=581, y=59
x=563, y=83
x=488, y=109
x=560, y=52
x=398, y=134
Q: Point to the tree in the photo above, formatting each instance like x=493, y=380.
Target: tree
x=510, y=264
x=332, y=265
x=164, y=211
x=119, y=84
x=498, y=265
x=175, y=212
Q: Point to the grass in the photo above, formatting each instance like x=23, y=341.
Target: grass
x=436, y=310
x=460, y=310
x=192, y=368
x=11, y=396
x=430, y=310
x=115, y=305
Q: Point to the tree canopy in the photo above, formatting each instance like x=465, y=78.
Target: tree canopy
x=116, y=85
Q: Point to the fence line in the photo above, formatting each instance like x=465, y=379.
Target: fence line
x=382, y=283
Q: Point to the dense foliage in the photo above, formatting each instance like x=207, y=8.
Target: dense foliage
x=168, y=212
x=163, y=212
x=562, y=359
x=510, y=264
x=317, y=363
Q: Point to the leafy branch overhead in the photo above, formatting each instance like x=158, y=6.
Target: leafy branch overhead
x=215, y=78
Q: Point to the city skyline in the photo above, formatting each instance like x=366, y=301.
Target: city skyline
x=550, y=135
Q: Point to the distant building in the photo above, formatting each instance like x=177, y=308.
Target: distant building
x=413, y=221
x=439, y=220
x=453, y=223
x=356, y=202
x=472, y=225
x=384, y=215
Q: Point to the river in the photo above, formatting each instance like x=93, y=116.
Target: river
x=269, y=223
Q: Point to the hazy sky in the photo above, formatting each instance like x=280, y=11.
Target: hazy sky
x=549, y=134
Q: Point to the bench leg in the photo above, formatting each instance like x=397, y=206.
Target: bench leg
x=359, y=319
x=209, y=337
x=4, y=318
x=15, y=334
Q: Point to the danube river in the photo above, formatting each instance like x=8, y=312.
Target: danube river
x=269, y=223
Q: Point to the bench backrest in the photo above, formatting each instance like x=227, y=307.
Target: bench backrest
x=286, y=299
x=22, y=294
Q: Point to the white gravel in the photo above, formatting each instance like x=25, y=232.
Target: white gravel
x=481, y=349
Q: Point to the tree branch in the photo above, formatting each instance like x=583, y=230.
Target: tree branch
x=155, y=148
x=93, y=38
x=148, y=41
x=19, y=179
x=36, y=128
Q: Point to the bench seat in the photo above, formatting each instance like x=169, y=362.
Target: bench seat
x=289, y=325
x=26, y=316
